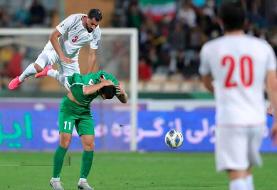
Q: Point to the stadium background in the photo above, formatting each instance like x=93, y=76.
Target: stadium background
x=170, y=94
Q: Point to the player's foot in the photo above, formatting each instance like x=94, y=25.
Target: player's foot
x=43, y=73
x=14, y=84
x=83, y=185
x=56, y=184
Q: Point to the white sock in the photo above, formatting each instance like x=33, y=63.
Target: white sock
x=238, y=184
x=30, y=70
x=249, y=182
x=53, y=73
x=82, y=180
x=55, y=179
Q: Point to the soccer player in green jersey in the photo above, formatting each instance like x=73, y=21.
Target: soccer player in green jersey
x=75, y=112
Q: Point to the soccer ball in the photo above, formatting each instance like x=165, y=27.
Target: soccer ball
x=173, y=138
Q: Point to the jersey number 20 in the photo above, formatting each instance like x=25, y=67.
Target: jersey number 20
x=245, y=65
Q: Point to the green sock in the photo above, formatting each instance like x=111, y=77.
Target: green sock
x=58, y=161
x=86, y=163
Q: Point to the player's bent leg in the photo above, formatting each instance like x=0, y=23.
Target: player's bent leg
x=87, y=158
x=58, y=161
x=45, y=60
x=44, y=72
x=65, y=139
x=29, y=71
x=49, y=71
x=55, y=182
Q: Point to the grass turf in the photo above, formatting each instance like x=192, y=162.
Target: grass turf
x=124, y=171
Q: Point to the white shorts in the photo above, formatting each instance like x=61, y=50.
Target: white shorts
x=237, y=148
x=49, y=57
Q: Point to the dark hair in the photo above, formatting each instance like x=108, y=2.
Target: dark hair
x=232, y=15
x=108, y=91
x=95, y=13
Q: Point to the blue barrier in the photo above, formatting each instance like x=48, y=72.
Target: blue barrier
x=33, y=128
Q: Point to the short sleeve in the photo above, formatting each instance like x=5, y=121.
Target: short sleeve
x=94, y=44
x=271, y=59
x=66, y=24
x=204, y=68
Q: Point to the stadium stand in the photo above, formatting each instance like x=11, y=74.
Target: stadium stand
x=169, y=43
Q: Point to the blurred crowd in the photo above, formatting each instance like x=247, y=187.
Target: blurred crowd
x=10, y=64
x=169, y=46
x=25, y=13
x=17, y=14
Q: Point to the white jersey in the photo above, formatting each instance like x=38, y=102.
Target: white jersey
x=75, y=36
x=238, y=65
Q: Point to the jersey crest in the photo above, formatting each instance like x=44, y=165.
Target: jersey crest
x=90, y=82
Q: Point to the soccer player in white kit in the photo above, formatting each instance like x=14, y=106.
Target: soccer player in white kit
x=63, y=48
x=236, y=67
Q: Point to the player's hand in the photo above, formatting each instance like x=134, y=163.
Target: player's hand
x=66, y=59
x=106, y=82
x=119, y=89
x=274, y=133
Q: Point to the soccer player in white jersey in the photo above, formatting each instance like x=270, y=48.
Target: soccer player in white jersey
x=63, y=48
x=237, y=67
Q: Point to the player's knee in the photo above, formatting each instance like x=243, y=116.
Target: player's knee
x=65, y=142
x=88, y=146
x=38, y=67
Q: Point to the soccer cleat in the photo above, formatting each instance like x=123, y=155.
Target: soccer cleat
x=83, y=185
x=56, y=184
x=43, y=73
x=14, y=84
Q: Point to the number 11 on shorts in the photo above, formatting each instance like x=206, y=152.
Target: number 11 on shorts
x=67, y=125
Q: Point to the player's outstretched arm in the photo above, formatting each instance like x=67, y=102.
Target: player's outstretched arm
x=271, y=83
x=121, y=94
x=56, y=45
x=92, y=65
x=91, y=89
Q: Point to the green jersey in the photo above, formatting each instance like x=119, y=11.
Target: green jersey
x=77, y=81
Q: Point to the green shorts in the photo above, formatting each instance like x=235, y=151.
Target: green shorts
x=73, y=115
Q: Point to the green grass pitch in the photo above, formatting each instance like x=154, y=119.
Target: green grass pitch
x=128, y=171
